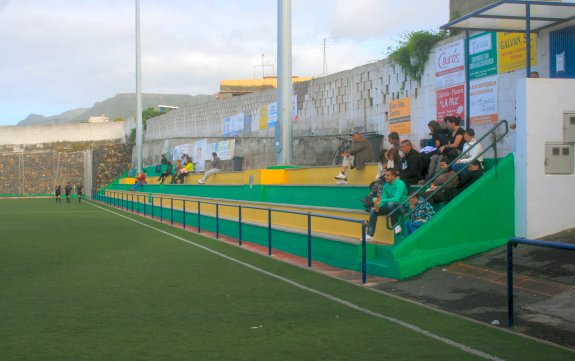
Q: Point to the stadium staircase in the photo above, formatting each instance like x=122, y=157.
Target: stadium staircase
x=479, y=219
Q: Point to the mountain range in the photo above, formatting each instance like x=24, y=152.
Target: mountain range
x=120, y=106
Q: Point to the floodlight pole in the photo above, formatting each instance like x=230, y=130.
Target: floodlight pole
x=285, y=87
x=139, y=127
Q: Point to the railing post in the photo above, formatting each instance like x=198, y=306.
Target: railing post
x=144, y=206
x=240, y=224
x=132, y=197
x=172, y=211
x=152, y=204
x=309, y=239
x=217, y=221
x=269, y=231
x=199, y=216
x=510, y=316
x=184, y=213
x=363, y=255
x=161, y=209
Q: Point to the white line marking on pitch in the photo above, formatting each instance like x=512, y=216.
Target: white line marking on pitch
x=407, y=325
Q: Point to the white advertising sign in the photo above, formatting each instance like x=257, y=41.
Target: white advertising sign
x=450, y=65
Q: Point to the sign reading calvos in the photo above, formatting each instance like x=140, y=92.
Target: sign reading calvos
x=450, y=64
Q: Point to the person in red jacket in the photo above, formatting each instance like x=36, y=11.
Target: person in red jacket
x=140, y=181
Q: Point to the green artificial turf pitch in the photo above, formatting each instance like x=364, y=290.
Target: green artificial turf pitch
x=78, y=282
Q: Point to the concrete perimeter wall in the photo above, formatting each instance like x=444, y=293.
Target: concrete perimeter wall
x=544, y=203
x=70, y=132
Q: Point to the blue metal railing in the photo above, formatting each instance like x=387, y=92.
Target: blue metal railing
x=116, y=199
x=512, y=244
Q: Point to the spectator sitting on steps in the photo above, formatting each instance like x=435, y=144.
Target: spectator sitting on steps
x=469, y=136
x=474, y=173
x=168, y=170
x=140, y=181
x=360, y=153
x=215, y=168
x=178, y=167
x=410, y=171
x=393, y=194
x=449, y=176
x=187, y=169
x=422, y=211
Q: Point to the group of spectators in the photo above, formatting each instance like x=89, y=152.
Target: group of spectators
x=68, y=191
x=178, y=170
x=402, y=167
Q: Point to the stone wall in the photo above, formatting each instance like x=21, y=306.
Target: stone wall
x=37, y=171
x=109, y=162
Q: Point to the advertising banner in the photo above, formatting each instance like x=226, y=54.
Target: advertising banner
x=233, y=125
x=200, y=153
x=273, y=112
x=482, y=55
x=225, y=149
x=483, y=101
x=511, y=51
x=400, y=116
x=180, y=150
x=263, y=118
x=450, y=65
x=450, y=102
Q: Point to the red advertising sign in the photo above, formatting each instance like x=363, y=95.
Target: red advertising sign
x=450, y=102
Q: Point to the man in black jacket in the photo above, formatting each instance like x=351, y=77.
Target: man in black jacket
x=410, y=171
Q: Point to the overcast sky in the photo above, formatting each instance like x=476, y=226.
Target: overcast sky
x=58, y=55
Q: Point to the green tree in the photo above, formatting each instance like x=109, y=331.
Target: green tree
x=413, y=51
x=146, y=114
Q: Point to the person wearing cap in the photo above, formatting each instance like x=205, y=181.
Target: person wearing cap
x=360, y=153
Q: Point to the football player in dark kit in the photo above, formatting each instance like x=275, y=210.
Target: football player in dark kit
x=68, y=190
x=58, y=193
x=79, y=192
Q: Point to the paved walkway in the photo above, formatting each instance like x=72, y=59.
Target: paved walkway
x=476, y=288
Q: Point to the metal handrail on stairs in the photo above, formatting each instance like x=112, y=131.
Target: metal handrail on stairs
x=495, y=138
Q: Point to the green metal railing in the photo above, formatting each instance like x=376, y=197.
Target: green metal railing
x=402, y=210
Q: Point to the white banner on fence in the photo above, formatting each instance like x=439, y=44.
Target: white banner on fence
x=200, y=154
x=180, y=150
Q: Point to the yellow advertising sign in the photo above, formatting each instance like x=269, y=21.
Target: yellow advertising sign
x=511, y=51
x=263, y=117
x=400, y=116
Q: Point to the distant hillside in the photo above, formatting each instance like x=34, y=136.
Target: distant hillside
x=66, y=117
x=121, y=105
